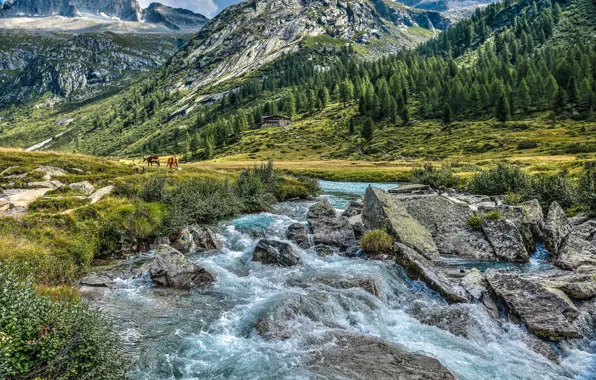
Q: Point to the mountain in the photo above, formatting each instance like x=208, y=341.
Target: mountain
x=175, y=19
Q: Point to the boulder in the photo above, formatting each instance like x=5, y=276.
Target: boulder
x=160, y=240
x=353, y=209
x=541, y=347
x=447, y=222
x=516, y=215
x=357, y=225
x=204, y=238
x=575, y=252
x=183, y=241
x=556, y=228
x=383, y=211
x=579, y=285
x=368, y=284
x=50, y=171
x=420, y=268
x=543, y=313
x=455, y=319
x=275, y=252
x=535, y=218
x=506, y=240
x=477, y=288
x=171, y=268
x=299, y=235
x=85, y=187
x=355, y=356
x=329, y=229
x=408, y=189
x=99, y=194
x=325, y=250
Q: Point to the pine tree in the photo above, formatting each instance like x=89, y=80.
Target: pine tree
x=368, y=129
x=523, y=96
x=405, y=116
x=572, y=92
x=502, y=111
x=447, y=114
x=352, y=127
x=560, y=101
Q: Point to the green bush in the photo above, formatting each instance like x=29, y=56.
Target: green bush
x=259, y=188
x=435, y=178
x=493, y=215
x=154, y=189
x=475, y=222
x=554, y=187
x=43, y=339
x=312, y=184
x=502, y=179
x=587, y=189
x=376, y=241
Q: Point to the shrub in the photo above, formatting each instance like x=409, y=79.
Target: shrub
x=527, y=144
x=312, y=184
x=475, y=222
x=500, y=180
x=154, y=189
x=513, y=198
x=40, y=338
x=376, y=241
x=493, y=215
x=258, y=188
x=587, y=189
x=428, y=175
x=554, y=187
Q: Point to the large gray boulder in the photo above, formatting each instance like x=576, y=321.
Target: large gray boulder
x=383, y=211
x=355, y=356
x=579, y=285
x=329, y=229
x=171, y=268
x=204, y=238
x=516, y=215
x=556, y=228
x=353, y=209
x=447, y=220
x=368, y=284
x=420, y=268
x=456, y=319
x=506, y=240
x=299, y=235
x=477, y=288
x=85, y=187
x=183, y=241
x=576, y=252
x=535, y=218
x=542, y=312
x=275, y=252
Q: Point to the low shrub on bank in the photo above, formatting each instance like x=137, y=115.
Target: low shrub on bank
x=502, y=179
x=435, y=178
x=376, y=241
x=44, y=339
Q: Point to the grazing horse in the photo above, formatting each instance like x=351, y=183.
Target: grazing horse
x=172, y=163
x=152, y=160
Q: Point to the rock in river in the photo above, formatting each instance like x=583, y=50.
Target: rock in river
x=329, y=229
x=556, y=228
x=204, y=238
x=579, y=247
x=298, y=233
x=171, y=268
x=275, y=252
x=506, y=240
x=383, y=211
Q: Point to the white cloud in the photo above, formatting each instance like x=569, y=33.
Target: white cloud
x=205, y=7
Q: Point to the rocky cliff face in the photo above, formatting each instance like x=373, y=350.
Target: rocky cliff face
x=252, y=33
x=176, y=19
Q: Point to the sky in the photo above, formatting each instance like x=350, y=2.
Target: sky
x=207, y=8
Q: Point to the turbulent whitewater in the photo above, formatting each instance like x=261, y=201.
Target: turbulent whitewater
x=209, y=333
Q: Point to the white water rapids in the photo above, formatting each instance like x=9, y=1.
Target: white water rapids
x=208, y=333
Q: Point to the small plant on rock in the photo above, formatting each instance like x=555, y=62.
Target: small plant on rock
x=376, y=241
x=493, y=215
x=475, y=222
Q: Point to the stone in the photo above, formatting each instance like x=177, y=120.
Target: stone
x=576, y=252
x=171, y=268
x=299, y=235
x=353, y=209
x=420, y=268
x=477, y=288
x=543, y=313
x=447, y=221
x=355, y=356
x=85, y=186
x=455, y=319
x=96, y=280
x=535, y=218
x=204, y=238
x=275, y=252
x=99, y=194
x=46, y=184
x=329, y=229
x=160, y=240
x=516, y=215
x=406, y=189
x=384, y=212
x=577, y=285
x=183, y=241
x=556, y=228
x=368, y=284
x=506, y=240
x=541, y=347
x=357, y=225
x=50, y=171
x=93, y=293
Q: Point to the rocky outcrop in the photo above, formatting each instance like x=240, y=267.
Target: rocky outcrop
x=542, y=312
x=275, y=252
x=329, y=229
x=535, y=218
x=354, y=356
x=354, y=208
x=476, y=286
x=420, y=268
x=579, y=285
x=204, y=239
x=175, y=19
x=299, y=235
x=579, y=247
x=506, y=240
x=447, y=221
x=127, y=10
x=183, y=241
x=358, y=226
x=85, y=187
x=383, y=211
x=171, y=268
x=516, y=215
x=556, y=228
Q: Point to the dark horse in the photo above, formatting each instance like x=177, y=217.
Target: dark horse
x=152, y=160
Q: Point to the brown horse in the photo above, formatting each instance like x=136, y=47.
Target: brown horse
x=152, y=160
x=172, y=163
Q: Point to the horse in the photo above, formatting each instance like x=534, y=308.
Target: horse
x=152, y=160
x=172, y=163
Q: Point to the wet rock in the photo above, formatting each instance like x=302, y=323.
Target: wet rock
x=160, y=240
x=506, y=240
x=382, y=211
x=535, y=218
x=97, y=280
x=299, y=235
x=204, y=238
x=447, y=222
x=420, y=268
x=183, y=241
x=357, y=225
x=543, y=313
x=516, y=215
x=408, y=189
x=477, y=288
x=171, y=268
x=368, y=284
x=577, y=285
x=354, y=252
x=275, y=252
x=353, y=209
x=325, y=250
x=329, y=229
x=575, y=252
x=556, y=228
x=93, y=293
x=586, y=321
x=354, y=356
x=85, y=187
x=541, y=347
x=455, y=319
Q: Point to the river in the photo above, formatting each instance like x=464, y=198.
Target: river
x=208, y=334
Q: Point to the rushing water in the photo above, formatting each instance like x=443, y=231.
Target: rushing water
x=208, y=334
